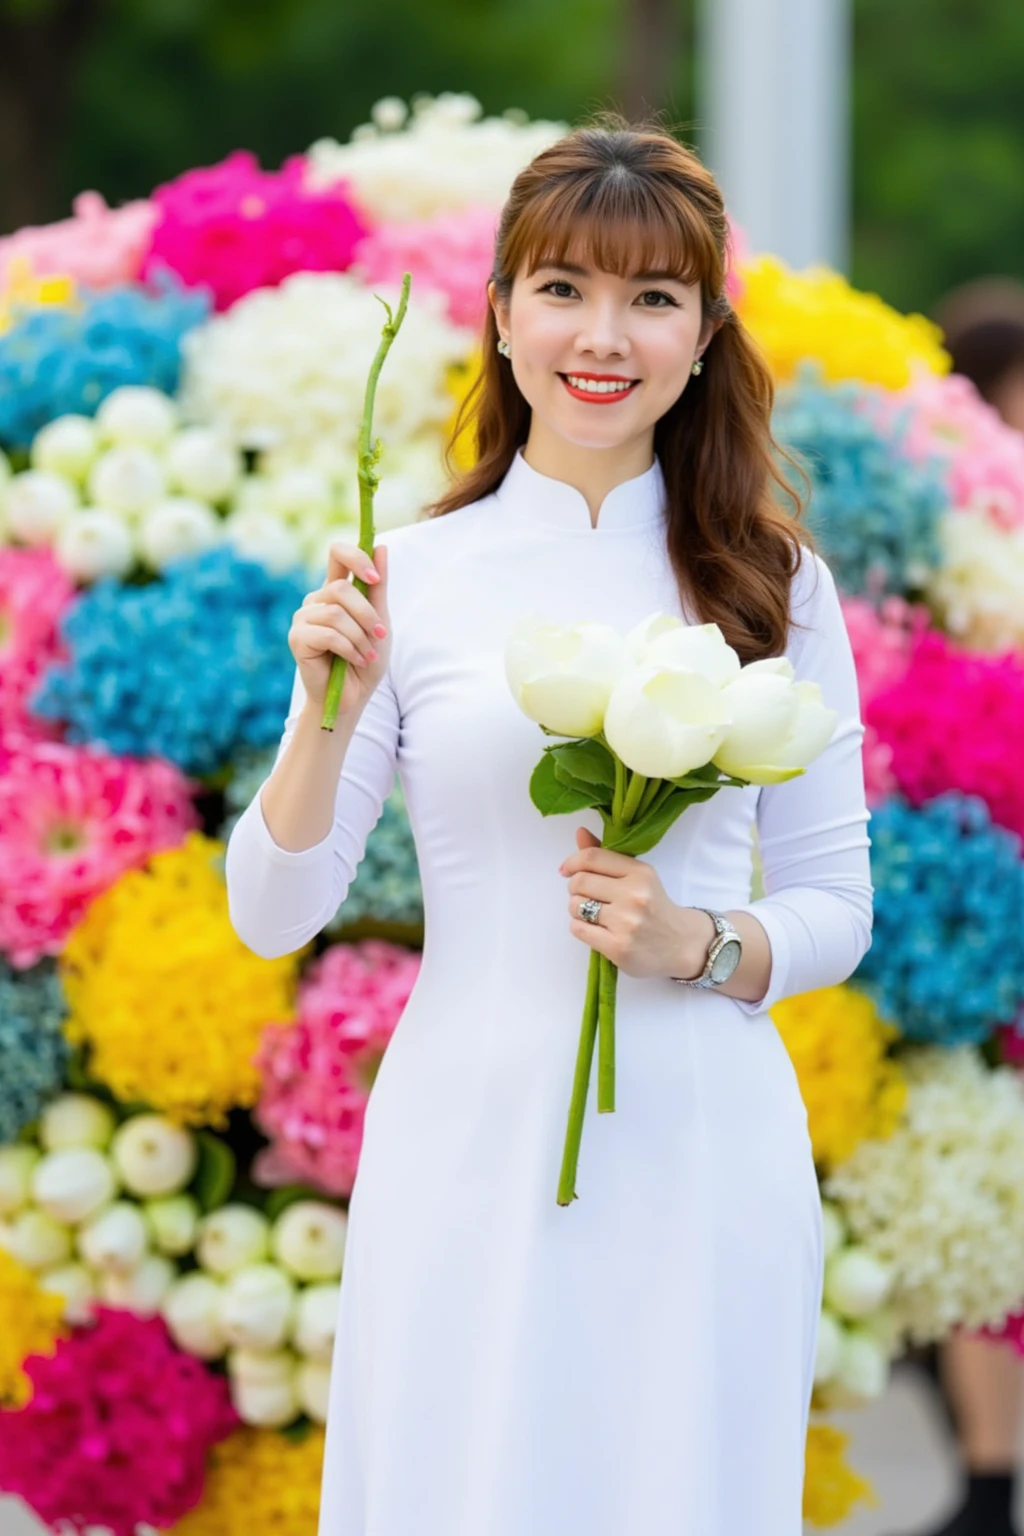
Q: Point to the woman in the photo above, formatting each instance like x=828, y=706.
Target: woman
x=640, y=1360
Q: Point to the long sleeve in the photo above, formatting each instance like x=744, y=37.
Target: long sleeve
x=818, y=906
x=278, y=899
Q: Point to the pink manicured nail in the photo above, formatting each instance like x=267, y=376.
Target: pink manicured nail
x=371, y=655
x=379, y=630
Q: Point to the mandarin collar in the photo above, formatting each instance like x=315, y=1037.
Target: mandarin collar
x=528, y=495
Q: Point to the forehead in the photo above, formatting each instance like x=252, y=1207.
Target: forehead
x=632, y=252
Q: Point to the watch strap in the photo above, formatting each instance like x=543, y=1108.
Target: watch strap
x=723, y=929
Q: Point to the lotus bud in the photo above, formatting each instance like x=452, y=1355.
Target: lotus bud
x=95, y=542
x=814, y=729
x=562, y=675
x=313, y=1388
x=153, y=1155
x=763, y=707
x=76, y=1120
x=202, y=463
x=136, y=413
x=191, y=1308
x=73, y=1184
x=173, y=1223
x=829, y=1348
x=37, y=504
x=643, y=635
x=75, y=1284
x=115, y=1239
x=696, y=648
x=230, y=1237
x=664, y=723
x=863, y=1367
x=66, y=446
x=856, y=1283
x=316, y=1317
x=258, y=1307
x=16, y=1165
x=142, y=1289
x=268, y=1405
x=35, y=1239
x=308, y=1238
x=263, y=538
x=174, y=527
x=128, y=479
x=833, y=1227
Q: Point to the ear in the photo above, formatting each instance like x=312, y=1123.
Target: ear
x=500, y=312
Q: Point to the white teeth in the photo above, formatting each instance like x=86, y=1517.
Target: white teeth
x=598, y=386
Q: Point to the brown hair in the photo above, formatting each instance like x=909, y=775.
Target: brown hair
x=627, y=189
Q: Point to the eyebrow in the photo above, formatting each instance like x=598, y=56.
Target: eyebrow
x=638, y=277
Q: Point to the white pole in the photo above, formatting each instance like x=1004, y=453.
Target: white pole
x=773, y=112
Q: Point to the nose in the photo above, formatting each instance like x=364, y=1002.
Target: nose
x=602, y=332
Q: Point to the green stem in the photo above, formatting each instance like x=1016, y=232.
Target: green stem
x=651, y=792
x=368, y=479
x=581, y=1083
x=637, y=784
x=619, y=794
x=607, y=983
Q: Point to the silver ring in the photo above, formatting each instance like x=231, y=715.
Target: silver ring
x=590, y=910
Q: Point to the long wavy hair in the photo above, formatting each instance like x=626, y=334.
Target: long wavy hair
x=630, y=195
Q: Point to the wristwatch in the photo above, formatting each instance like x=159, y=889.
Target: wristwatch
x=724, y=954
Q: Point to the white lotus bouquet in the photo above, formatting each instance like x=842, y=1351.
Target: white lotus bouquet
x=659, y=719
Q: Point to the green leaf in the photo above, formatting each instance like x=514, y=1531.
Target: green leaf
x=215, y=1174
x=551, y=796
x=587, y=760
x=641, y=836
x=287, y=1194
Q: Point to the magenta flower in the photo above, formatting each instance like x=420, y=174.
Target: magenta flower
x=34, y=591
x=452, y=254
x=318, y=1071
x=117, y=1429
x=882, y=640
x=72, y=820
x=233, y=227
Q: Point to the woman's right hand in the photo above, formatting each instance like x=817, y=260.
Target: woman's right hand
x=337, y=620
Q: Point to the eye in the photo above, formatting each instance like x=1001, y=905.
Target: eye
x=661, y=294
x=557, y=282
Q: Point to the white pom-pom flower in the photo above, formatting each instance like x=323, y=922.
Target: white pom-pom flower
x=16, y=1165
x=66, y=447
x=173, y=1223
x=37, y=504
x=75, y=1285
x=76, y=1120
x=72, y=1184
x=316, y=1317
x=176, y=526
x=95, y=542
x=258, y=1306
x=153, y=1156
x=191, y=1308
x=136, y=413
x=128, y=479
x=308, y=1238
x=204, y=464
x=230, y=1237
x=35, y=1239
x=142, y=1289
x=117, y=1238
x=313, y=1388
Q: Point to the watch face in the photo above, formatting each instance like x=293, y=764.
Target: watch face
x=726, y=961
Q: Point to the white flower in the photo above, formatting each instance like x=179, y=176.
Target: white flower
x=153, y=1155
x=16, y=1164
x=230, y=1237
x=663, y=723
x=95, y=542
x=779, y=725
x=863, y=1369
x=136, y=413
x=76, y=1120
x=176, y=526
x=855, y=1282
x=36, y=505
x=66, y=447
x=35, y=1239
x=258, y=1306
x=191, y=1308
x=263, y=537
x=203, y=463
x=173, y=1223
x=829, y=1348
x=115, y=1239
x=309, y=1239
x=833, y=1228
x=562, y=675
x=316, y=1317
x=142, y=1289
x=269, y=1404
x=694, y=648
x=313, y=1388
x=75, y=1284
x=978, y=587
x=73, y=1184
x=300, y=492
x=127, y=479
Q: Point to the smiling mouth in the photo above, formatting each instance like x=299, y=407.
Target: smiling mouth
x=598, y=391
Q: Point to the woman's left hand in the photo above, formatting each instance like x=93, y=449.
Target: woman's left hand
x=639, y=927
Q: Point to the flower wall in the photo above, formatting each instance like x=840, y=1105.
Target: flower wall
x=181, y=384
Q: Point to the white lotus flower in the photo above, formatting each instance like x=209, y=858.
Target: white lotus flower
x=128, y=479
x=117, y=1238
x=74, y=1183
x=316, y=1317
x=173, y=1223
x=270, y=1405
x=35, y=1239
x=642, y=636
x=663, y=723
x=176, y=526
x=815, y=726
x=829, y=1348
x=258, y=1306
x=66, y=447
x=833, y=1227
x=142, y=1289
x=203, y=463
x=308, y=1238
x=16, y=1164
x=856, y=1283
x=75, y=1284
x=763, y=706
x=76, y=1120
x=232, y=1236
x=263, y=537
x=191, y=1308
x=863, y=1367
x=695, y=648
x=153, y=1155
x=313, y=1388
x=562, y=675
x=95, y=542
x=37, y=504
x=136, y=413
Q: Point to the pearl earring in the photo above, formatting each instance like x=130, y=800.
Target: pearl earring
x=697, y=366
x=504, y=348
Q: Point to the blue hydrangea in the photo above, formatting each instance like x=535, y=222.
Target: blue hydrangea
x=33, y=1050
x=874, y=512
x=191, y=667
x=946, y=962
x=53, y=361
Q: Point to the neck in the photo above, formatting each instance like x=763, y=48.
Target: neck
x=591, y=471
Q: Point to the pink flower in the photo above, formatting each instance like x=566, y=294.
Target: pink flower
x=317, y=1073
x=737, y=252
x=99, y=247
x=72, y=820
x=233, y=227
x=118, y=1427
x=452, y=253
x=34, y=591
x=882, y=640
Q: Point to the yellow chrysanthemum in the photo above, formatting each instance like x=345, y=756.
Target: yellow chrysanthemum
x=259, y=1483
x=831, y=1487
x=22, y=287
x=30, y=1324
x=816, y=315
x=853, y=1091
x=169, y=1001
x=460, y=380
